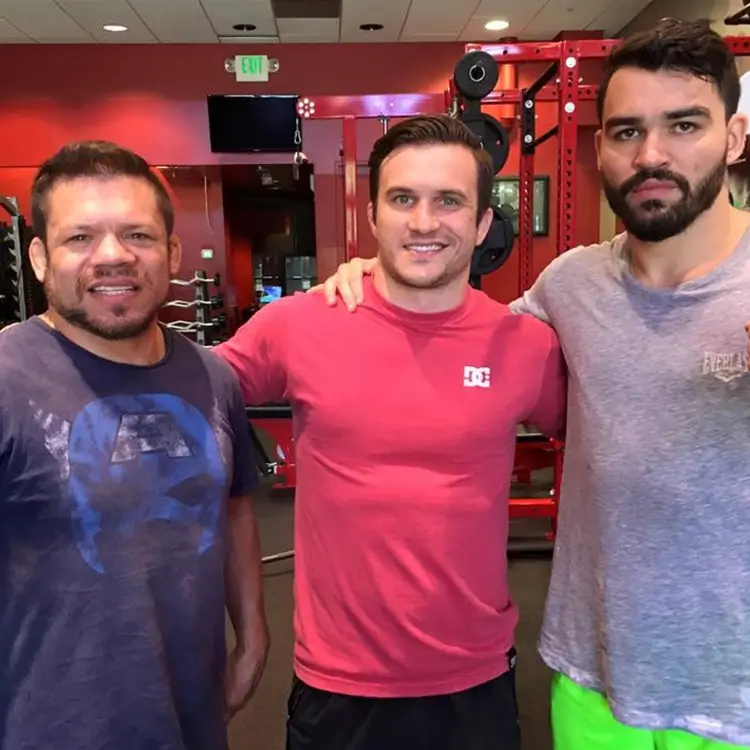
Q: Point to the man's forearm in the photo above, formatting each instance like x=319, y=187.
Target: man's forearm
x=244, y=583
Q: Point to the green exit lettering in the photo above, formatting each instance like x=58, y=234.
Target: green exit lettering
x=251, y=67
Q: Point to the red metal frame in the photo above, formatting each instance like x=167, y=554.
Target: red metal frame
x=568, y=92
x=570, y=55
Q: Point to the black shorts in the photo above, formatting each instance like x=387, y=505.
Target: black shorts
x=481, y=718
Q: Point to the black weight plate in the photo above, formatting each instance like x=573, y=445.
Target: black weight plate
x=493, y=135
x=476, y=74
x=497, y=246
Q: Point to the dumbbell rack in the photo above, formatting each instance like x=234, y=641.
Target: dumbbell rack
x=13, y=302
x=203, y=303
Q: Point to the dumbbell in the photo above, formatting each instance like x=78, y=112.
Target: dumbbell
x=216, y=280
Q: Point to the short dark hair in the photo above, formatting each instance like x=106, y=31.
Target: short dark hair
x=93, y=159
x=690, y=47
x=424, y=130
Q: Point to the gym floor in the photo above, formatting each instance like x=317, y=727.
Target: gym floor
x=261, y=725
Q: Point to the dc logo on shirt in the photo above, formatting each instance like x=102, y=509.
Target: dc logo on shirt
x=476, y=377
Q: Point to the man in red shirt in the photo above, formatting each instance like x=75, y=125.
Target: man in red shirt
x=405, y=418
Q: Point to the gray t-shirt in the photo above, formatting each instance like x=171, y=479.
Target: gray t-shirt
x=113, y=482
x=649, y=600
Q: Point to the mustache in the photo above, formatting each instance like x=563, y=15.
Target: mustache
x=662, y=175
x=102, y=273
x=120, y=270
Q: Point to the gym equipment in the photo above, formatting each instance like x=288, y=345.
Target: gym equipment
x=740, y=17
x=203, y=304
x=215, y=280
x=560, y=84
x=214, y=303
x=476, y=74
x=21, y=294
x=496, y=248
x=276, y=420
x=493, y=135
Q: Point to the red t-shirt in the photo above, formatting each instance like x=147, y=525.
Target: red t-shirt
x=405, y=429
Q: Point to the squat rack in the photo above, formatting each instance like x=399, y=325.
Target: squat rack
x=567, y=90
x=560, y=82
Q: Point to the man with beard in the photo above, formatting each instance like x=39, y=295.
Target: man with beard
x=647, y=619
x=125, y=468
x=405, y=419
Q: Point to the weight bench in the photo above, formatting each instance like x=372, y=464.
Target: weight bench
x=276, y=420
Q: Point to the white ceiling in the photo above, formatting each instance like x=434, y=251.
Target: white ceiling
x=211, y=21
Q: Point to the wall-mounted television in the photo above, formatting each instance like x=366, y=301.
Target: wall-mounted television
x=241, y=123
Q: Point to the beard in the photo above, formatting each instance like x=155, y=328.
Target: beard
x=121, y=324
x=657, y=220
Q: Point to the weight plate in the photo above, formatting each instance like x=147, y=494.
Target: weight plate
x=497, y=246
x=493, y=135
x=476, y=74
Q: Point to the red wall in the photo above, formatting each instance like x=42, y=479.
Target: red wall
x=152, y=99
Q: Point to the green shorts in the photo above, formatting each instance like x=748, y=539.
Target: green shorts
x=582, y=720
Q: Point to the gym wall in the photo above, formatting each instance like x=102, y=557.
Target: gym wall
x=151, y=98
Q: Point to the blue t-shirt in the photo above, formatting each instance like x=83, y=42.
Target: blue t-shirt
x=113, y=487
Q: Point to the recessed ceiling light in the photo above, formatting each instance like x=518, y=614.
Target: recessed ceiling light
x=244, y=27
x=114, y=27
x=496, y=25
x=371, y=26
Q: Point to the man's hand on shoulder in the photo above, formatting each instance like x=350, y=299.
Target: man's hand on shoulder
x=347, y=283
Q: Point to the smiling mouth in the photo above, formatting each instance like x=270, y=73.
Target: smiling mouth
x=112, y=289
x=425, y=247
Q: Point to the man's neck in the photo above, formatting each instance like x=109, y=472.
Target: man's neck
x=706, y=243
x=144, y=350
x=413, y=299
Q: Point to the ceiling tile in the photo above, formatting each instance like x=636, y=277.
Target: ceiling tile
x=390, y=13
x=93, y=15
x=406, y=37
x=517, y=18
x=298, y=29
x=224, y=14
x=563, y=15
x=42, y=20
x=9, y=33
x=613, y=19
x=176, y=21
x=437, y=17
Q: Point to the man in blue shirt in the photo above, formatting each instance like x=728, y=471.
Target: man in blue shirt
x=125, y=472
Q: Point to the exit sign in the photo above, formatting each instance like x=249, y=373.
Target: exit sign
x=251, y=67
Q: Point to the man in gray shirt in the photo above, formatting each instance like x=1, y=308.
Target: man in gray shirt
x=647, y=623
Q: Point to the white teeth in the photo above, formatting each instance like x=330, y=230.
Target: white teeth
x=113, y=289
x=425, y=248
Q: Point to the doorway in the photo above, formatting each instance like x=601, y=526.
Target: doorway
x=269, y=212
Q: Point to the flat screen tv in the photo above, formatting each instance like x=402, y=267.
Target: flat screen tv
x=240, y=123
